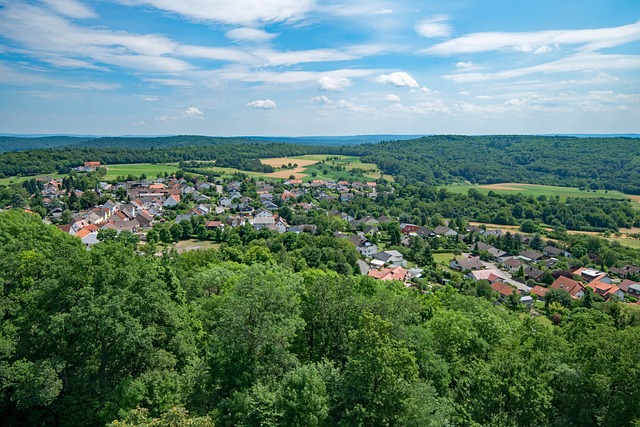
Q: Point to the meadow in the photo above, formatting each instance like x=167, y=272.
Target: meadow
x=136, y=169
x=538, y=190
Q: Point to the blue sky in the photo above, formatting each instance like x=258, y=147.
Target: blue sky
x=323, y=67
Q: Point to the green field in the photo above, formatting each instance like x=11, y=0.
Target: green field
x=536, y=190
x=20, y=179
x=137, y=169
x=443, y=258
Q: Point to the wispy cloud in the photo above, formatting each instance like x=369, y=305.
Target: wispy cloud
x=434, y=27
x=233, y=11
x=71, y=8
x=541, y=41
x=581, y=62
x=249, y=34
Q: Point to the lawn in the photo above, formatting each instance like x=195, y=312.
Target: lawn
x=443, y=258
x=537, y=190
x=137, y=169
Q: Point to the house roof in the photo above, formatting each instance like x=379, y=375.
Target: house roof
x=568, y=285
x=626, y=283
x=489, y=275
x=390, y=273
x=502, y=288
x=539, y=290
x=469, y=263
x=604, y=289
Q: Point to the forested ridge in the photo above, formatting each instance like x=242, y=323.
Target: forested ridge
x=590, y=163
x=250, y=335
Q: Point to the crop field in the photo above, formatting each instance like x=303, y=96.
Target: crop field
x=324, y=166
x=539, y=190
x=137, y=169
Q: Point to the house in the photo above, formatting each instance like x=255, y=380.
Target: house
x=390, y=257
x=590, y=275
x=490, y=275
x=89, y=237
x=390, y=273
x=442, y=230
x=145, y=219
x=493, y=251
x=263, y=214
x=552, y=251
x=119, y=225
x=212, y=225
x=533, y=273
x=367, y=249
x=235, y=221
x=626, y=283
x=625, y=271
x=503, y=289
x=171, y=201
x=409, y=228
x=91, y=166
x=575, y=289
x=539, y=291
x=530, y=256
x=512, y=265
x=606, y=290
x=466, y=263
x=225, y=201
x=280, y=224
x=634, y=290
x=303, y=228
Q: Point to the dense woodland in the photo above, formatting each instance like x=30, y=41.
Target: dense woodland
x=589, y=163
x=240, y=336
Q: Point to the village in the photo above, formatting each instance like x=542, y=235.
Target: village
x=207, y=208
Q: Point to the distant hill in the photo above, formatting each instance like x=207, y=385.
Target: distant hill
x=335, y=140
x=34, y=142
x=20, y=143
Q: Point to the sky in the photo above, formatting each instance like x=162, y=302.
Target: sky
x=319, y=67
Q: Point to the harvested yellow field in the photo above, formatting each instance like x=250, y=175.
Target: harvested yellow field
x=279, y=161
x=501, y=187
x=297, y=172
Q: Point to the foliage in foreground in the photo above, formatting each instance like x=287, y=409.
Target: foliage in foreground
x=91, y=337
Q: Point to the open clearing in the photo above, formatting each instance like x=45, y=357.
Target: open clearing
x=324, y=166
x=137, y=169
x=194, y=244
x=540, y=190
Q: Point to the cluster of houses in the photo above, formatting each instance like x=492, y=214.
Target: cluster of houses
x=147, y=202
x=524, y=265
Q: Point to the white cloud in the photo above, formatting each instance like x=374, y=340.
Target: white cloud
x=425, y=89
x=583, y=62
x=484, y=97
x=262, y=104
x=193, y=113
x=392, y=98
x=71, y=8
x=151, y=98
x=321, y=100
x=249, y=34
x=399, y=78
x=592, y=39
x=430, y=108
x=276, y=58
x=333, y=84
x=546, y=49
x=463, y=92
x=234, y=11
x=434, y=26
x=467, y=64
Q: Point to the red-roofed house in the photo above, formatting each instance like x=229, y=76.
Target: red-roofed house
x=539, y=291
x=503, y=289
x=575, y=289
x=390, y=273
x=606, y=290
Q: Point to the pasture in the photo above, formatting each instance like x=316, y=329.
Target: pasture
x=536, y=190
x=137, y=169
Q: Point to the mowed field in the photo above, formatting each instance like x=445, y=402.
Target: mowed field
x=539, y=190
x=137, y=169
